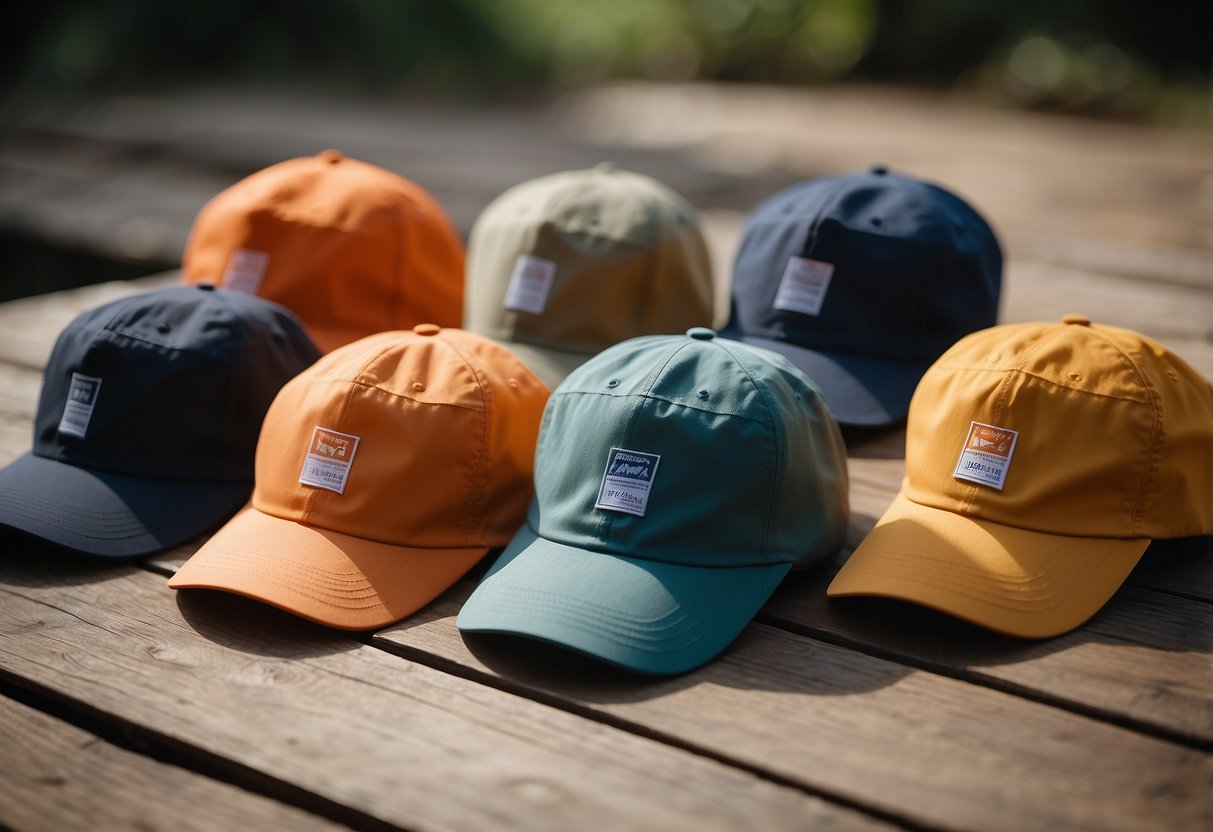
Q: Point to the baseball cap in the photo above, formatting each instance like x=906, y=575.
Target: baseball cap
x=1041, y=460
x=351, y=248
x=863, y=280
x=566, y=265
x=384, y=473
x=148, y=419
x=678, y=479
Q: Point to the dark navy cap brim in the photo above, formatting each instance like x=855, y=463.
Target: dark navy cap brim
x=860, y=392
x=110, y=515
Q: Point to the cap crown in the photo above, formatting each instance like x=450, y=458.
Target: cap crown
x=1115, y=432
x=348, y=246
x=185, y=375
x=628, y=254
x=914, y=267
x=752, y=467
x=445, y=424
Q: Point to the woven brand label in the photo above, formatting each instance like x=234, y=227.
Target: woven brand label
x=627, y=480
x=245, y=268
x=986, y=455
x=804, y=286
x=329, y=457
x=530, y=285
x=78, y=410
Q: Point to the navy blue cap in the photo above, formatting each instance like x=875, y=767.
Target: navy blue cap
x=148, y=419
x=862, y=280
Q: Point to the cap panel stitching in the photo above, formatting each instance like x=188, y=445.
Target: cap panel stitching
x=477, y=494
x=607, y=520
x=780, y=446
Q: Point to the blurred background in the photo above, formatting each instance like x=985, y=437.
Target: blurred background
x=119, y=120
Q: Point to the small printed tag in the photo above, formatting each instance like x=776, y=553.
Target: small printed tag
x=329, y=457
x=78, y=411
x=530, y=285
x=986, y=455
x=627, y=480
x=804, y=285
x=245, y=268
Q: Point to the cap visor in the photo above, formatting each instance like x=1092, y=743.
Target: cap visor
x=643, y=615
x=864, y=392
x=328, y=577
x=1019, y=582
x=110, y=515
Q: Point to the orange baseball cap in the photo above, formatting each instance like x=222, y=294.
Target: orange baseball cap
x=350, y=248
x=1041, y=460
x=383, y=473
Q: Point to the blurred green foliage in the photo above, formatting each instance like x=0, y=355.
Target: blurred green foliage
x=1112, y=57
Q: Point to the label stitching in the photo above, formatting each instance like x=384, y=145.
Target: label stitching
x=326, y=464
x=804, y=285
x=530, y=285
x=245, y=270
x=627, y=481
x=986, y=455
x=78, y=409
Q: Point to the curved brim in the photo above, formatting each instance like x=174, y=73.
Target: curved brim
x=864, y=392
x=328, y=577
x=647, y=616
x=110, y=515
x=1012, y=580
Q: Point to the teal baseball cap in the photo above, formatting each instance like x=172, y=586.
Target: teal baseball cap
x=678, y=479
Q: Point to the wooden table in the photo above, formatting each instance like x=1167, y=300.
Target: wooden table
x=127, y=705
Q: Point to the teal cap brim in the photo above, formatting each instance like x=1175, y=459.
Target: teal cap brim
x=648, y=616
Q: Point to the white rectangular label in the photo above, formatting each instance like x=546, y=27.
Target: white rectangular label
x=329, y=457
x=245, y=268
x=530, y=285
x=78, y=410
x=627, y=481
x=986, y=455
x=804, y=285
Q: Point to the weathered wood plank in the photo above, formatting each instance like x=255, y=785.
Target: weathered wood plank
x=935, y=751
x=1145, y=660
x=391, y=739
x=59, y=777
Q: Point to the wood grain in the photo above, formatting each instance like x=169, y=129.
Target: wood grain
x=1146, y=659
x=58, y=777
x=393, y=740
x=938, y=752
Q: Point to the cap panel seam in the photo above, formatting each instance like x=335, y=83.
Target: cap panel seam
x=780, y=448
x=606, y=521
x=1156, y=431
x=477, y=495
x=309, y=505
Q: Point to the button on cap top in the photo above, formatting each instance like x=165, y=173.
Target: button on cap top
x=427, y=329
x=1076, y=320
x=701, y=333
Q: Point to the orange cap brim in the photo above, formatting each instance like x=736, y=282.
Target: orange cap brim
x=1015, y=581
x=331, y=578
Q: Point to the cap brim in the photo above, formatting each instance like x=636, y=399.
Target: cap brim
x=647, y=616
x=864, y=392
x=1012, y=580
x=110, y=515
x=328, y=577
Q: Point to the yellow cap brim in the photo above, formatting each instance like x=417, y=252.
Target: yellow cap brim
x=1012, y=580
x=331, y=578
